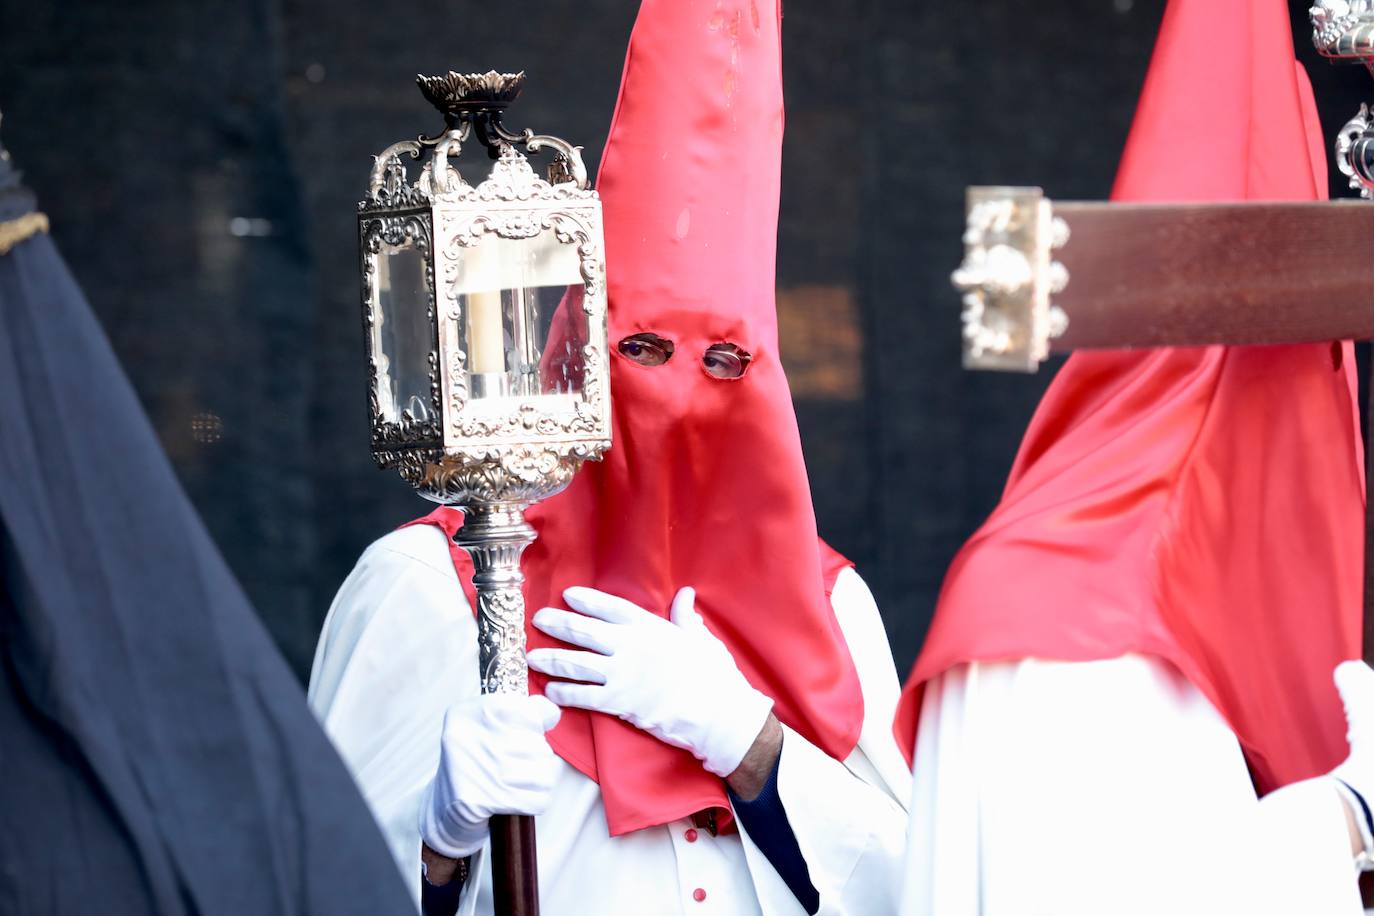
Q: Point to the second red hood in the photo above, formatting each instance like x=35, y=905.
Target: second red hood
x=1201, y=505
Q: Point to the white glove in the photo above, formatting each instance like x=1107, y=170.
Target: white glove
x=1355, y=682
x=494, y=759
x=674, y=680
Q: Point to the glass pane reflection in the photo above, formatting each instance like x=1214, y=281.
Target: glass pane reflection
x=402, y=334
x=523, y=327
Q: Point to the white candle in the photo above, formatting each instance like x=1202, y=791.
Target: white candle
x=486, y=338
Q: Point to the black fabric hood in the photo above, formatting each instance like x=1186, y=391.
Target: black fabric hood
x=156, y=754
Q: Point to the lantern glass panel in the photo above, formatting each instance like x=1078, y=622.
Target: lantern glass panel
x=523, y=322
x=403, y=337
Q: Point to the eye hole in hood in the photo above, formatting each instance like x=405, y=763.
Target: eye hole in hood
x=725, y=361
x=646, y=349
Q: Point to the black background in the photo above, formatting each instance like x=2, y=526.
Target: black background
x=200, y=163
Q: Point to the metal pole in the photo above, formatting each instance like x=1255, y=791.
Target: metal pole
x=495, y=536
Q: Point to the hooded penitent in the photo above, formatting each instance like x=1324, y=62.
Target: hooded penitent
x=705, y=484
x=156, y=754
x=1200, y=505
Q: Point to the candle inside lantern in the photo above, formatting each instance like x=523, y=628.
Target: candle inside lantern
x=486, y=334
x=486, y=341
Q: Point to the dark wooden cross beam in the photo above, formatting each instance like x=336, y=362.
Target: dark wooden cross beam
x=1041, y=277
x=1151, y=276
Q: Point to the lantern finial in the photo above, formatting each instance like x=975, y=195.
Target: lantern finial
x=458, y=94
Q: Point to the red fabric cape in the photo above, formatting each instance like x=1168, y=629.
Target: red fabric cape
x=705, y=484
x=1201, y=505
x=449, y=520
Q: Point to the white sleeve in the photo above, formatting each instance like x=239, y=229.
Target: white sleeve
x=849, y=818
x=398, y=648
x=1111, y=786
x=1301, y=852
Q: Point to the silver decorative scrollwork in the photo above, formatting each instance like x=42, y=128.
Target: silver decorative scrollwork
x=453, y=91
x=567, y=164
x=513, y=180
x=495, y=537
x=387, y=186
x=1355, y=153
x=1343, y=28
x=1007, y=278
x=505, y=474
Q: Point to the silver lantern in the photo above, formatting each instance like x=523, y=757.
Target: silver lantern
x=484, y=307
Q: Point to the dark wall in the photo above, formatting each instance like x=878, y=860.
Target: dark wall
x=200, y=163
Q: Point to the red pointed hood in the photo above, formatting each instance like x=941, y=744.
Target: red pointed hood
x=705, y=484
x=1201, y=505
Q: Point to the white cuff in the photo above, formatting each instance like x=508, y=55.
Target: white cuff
x=732, y=739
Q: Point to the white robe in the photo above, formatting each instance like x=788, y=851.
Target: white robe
x=1111, y=787
x=400, y=645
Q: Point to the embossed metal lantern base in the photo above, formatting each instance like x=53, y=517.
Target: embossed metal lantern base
x=495, y=536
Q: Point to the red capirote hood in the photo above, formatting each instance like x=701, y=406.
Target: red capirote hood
x=704, y=484
x=1201, y=505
